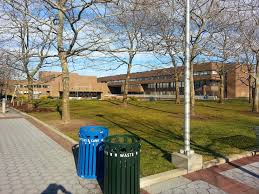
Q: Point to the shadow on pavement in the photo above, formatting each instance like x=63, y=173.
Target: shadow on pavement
x=75, y=151
x=244, y=170
x=54, y=188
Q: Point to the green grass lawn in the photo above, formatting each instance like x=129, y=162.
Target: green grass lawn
x=217, y=130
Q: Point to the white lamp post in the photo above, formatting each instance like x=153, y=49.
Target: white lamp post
x=187, y=158
x=187, y=149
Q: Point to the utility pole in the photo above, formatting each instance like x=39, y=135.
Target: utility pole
x=187, y=159
x=187, y=149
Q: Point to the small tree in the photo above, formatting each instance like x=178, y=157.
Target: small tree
x=6, y=72
x=32, y=36
x=202, y=14
x=127, y=28
x=166, y=35
x=248, y=14
x=76, y=33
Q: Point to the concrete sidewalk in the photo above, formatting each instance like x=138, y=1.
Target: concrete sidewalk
x=236, y=177
x=32, y=163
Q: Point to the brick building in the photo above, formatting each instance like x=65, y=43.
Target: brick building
x=161, y=81
x=50, y=84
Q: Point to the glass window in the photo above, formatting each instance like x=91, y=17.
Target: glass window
x=195, y=73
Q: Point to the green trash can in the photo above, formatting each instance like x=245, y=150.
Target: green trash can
x=121, y=164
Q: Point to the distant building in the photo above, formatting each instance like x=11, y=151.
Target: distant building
x=50, y=84
x=161, y=81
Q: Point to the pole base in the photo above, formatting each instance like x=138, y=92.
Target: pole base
x=191, y=161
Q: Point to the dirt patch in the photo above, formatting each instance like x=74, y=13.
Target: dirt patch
x=205, y=117
x=72, y=126
x=250, y=113
x=24, y=108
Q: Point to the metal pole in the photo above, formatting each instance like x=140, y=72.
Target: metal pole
x=187, y=81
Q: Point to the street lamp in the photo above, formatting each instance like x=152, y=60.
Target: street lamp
x=187, y=149
x=187, y=159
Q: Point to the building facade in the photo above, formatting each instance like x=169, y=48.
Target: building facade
x=162, y=82
x=49, y=84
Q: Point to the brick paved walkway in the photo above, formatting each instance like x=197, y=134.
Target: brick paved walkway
x=237, y=177
x=32, y=163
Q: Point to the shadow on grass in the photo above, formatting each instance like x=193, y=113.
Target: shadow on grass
x=164, y=134
x=166, y=154
x=217, y=108
x=113, y=102
x=150, y=108
x=238, y=141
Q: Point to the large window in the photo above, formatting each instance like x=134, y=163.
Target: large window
x=165, y=85
x=151, y=85
x=172, y=84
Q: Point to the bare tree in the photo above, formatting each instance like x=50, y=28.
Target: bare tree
x=248, y=13
x=127, y=27
x=202, y=14
x=224, y=49
x=29, y=40
x=247, y=60
x=76, y=34
x=166, y=35
x=6, y=72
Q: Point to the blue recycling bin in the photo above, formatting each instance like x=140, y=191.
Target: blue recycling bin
x=91, y=152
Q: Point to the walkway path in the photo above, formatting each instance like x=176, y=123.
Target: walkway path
x=32, y=163
x=237, y=177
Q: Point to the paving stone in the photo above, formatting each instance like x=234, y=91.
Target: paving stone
x=199, y=187
x=248, y=174
x=32, y=163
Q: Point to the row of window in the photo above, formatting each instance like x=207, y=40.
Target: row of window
x=202, y=73
x=162, y=77
x=134, y=85
x=165, y=77
x=34, y=86
x=201, y=83
x=165, y=85
x=197, y=84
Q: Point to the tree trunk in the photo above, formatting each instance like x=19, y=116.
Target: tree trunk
x=63, y=60
x=65, y=84
x=177, y=91
x=126, y=86
x=250, y=88
x=192, y=92
x=176, y=79
x=221, y=89
x=256, y=93
x=30, y=92
x=204, y=90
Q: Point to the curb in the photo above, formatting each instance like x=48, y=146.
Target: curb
x=161, y=177
x=229, y=158
x=53, y=129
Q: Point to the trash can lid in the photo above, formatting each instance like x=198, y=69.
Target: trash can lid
x=122, y=139
x=92, y=130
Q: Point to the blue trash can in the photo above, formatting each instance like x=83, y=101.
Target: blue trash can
x=91, y=152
